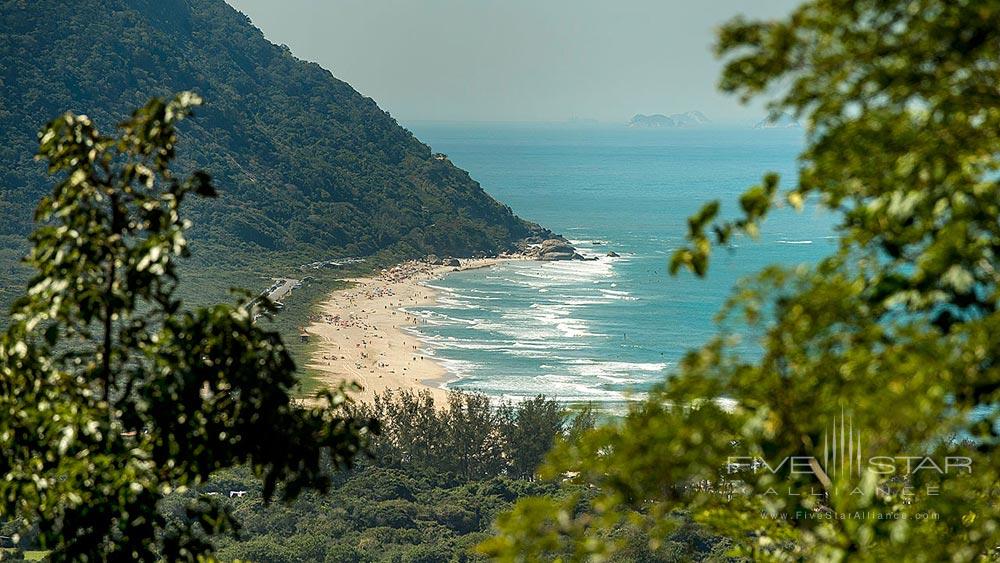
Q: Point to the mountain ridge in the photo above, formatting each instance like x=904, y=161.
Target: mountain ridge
x=307, y=167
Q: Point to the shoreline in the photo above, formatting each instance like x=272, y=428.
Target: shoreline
x=360, y=336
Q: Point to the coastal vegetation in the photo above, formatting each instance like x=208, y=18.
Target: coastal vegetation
x=884, y=354
x=434, y=479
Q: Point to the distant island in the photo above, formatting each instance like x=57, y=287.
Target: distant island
x=781, y=121
x=686, y=119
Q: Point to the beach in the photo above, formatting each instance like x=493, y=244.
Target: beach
x=359, y=332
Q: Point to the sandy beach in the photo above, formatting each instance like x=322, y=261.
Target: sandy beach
x=359, y=331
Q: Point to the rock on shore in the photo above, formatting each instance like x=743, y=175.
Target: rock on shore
x=553, y=249
x=434, y=260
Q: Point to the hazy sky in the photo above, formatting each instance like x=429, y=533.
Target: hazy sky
x=517, y=60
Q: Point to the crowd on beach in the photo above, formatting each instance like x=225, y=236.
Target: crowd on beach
x=370, y=292
x=359, y=316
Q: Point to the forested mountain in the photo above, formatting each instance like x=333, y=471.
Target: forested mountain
x=307, y=167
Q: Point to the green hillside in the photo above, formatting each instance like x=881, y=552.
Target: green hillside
x=307, y=167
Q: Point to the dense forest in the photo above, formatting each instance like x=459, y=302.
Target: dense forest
x=429, y=490
x=307, y=167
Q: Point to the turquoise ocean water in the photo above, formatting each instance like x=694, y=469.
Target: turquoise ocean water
x=604, y=330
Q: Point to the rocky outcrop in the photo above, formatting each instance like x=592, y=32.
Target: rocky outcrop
x=553, y=249
x=613, y=254
x=434, y=260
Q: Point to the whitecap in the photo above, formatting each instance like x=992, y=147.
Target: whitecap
x=459, y=369
x=605, y=369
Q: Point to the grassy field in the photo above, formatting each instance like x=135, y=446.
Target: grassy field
x=203, y=283
x=298, y=307
x=203, y=286
x=206, y=286
x=8, y=554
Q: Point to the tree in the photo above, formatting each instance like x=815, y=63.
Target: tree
x=112, y=394
x=891, y=344
x=532, y=431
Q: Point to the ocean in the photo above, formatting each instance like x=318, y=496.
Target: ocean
x=605, y=330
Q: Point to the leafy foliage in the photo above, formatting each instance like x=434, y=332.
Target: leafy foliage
x=470, y=438
x=897, y=332
x=112, y=394
x=308, y=167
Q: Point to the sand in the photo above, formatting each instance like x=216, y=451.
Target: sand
x=359, y=333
